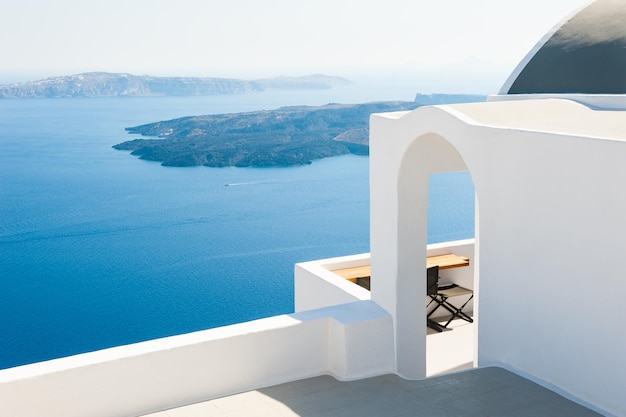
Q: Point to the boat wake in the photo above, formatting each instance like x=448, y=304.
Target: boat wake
x=236, y=184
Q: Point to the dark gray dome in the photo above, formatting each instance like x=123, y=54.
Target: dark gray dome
x=586, y=54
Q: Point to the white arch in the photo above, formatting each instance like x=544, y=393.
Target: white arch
x=399, y=233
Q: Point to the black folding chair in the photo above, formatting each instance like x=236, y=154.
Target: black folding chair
x=432, y=282
x=440, y=296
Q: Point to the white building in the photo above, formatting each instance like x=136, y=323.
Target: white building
x=548, y=160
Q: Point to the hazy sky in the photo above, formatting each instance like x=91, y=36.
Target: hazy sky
x=250, y=38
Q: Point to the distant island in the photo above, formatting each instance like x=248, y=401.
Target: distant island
x=105, y=84
x=288, y=136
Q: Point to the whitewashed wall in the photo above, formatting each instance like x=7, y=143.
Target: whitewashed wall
x=598, y=101
x=552, y=234
x=316, y=286
x=400, y=168
x=164, y=373
x=550, y=237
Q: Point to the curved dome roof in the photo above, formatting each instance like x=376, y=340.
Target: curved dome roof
x=584, y=54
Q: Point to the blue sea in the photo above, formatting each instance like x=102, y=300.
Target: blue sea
x=99, y=248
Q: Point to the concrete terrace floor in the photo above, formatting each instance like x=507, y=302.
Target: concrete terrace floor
x=450, y=351
x=478, y=392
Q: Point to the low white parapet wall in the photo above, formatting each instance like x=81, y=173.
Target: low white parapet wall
x=316, y=286
x=164, y=373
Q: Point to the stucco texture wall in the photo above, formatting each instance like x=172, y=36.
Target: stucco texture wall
x=552, y=234
x=550, y=239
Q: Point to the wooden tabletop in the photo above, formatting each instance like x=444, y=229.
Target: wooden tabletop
x=353, y=273
x=447, y=261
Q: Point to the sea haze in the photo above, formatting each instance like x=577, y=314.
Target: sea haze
x=99, y=249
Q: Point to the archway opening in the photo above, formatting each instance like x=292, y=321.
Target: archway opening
x=450, y=341
x=427, y=155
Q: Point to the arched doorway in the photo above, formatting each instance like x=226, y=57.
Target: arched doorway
x=450, y=341
x=398, y=243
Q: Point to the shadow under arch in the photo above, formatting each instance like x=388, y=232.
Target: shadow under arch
x=427, y=154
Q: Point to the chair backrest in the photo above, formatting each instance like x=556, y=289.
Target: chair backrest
x=432, y=280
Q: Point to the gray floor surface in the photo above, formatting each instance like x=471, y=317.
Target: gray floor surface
x=478, y=392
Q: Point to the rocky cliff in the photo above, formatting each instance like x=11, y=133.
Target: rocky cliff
x=283, y=137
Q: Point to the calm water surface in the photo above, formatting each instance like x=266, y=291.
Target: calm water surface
x=99, y=249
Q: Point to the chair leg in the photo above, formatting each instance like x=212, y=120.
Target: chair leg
x=434, y=325
x=458, y=311
x=441, y=302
